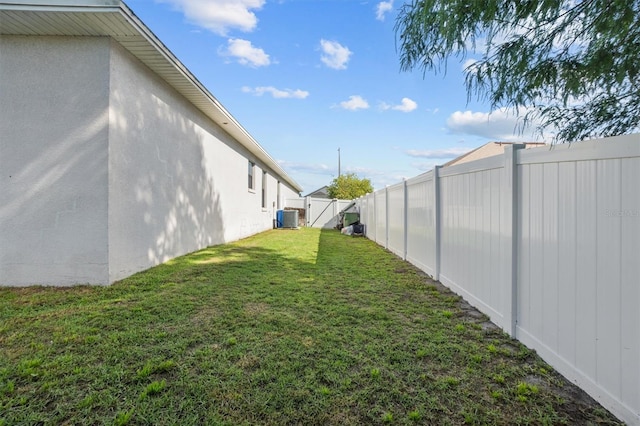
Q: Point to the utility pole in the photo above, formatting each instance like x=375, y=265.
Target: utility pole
x=338, y=162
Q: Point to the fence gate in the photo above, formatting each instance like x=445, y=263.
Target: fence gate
x=320, y=212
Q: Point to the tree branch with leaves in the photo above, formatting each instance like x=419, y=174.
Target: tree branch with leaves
x=570, y=65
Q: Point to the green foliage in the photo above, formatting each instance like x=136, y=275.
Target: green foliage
x=349, y=186
x=123, y=418
x=375, y=373
x=525, y=391
x=153, y=388
x=151, y=368
x=574, y=66
x=414, y=415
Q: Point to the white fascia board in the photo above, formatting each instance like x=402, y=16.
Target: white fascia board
x=59, y=5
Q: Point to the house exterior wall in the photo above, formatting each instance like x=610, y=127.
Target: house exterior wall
x=177, y=181
x=53, y=160
x=106, y=170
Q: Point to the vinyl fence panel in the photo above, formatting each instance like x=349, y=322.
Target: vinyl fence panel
x=471, y=233
x=546, y=242
x=321, y=213
x=362, y=208
x=629, y=216
x=578, y=259
x=370, y=217
x=421, y=222
x=324, y=212
x=380, y=202
x=395, y=219
x=297, y=203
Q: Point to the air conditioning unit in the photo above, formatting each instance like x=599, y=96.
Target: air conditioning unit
x=290, y=219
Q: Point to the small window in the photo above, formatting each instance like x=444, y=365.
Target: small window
x=264, y=190
x=252, y=167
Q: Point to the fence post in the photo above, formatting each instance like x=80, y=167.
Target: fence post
x=436, y=219
x=510, y=238
x=374, y=217
x=405, y=219
x=386, y=217
x=307, y=210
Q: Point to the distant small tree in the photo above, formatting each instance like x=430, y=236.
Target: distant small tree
x=349, y=186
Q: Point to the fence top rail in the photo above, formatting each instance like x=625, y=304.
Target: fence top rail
x=624, y=146
x=424, y=177
x=395, y=186
x=483, y=164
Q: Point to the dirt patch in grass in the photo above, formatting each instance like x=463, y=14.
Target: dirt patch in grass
x=256, y=309
x=204, y=316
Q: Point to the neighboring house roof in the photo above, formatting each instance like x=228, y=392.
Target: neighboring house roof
x=114, y=19
x=488, y=150
x=319, y=193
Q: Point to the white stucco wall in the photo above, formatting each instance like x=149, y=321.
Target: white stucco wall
x=53, y=160
x=177, y=181
x=106, y=170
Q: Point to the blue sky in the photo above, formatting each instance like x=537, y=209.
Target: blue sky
x=306, y=77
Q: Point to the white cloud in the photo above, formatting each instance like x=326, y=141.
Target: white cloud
x=406, y=105
x=382, y=8
x=315, y=168
x=334, y=55
x=246, y=53
x=500, y=125
x=219, y=16
x=277, y=93
x=320, y=168
x=354, y=103
x=438, y=153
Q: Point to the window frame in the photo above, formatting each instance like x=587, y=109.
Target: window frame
x=278, y=196
x=264, y=189
x=251, y=175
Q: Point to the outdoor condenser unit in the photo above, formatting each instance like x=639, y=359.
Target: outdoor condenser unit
x=290, y=219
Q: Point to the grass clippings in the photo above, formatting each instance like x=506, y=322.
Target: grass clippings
x=305, y=327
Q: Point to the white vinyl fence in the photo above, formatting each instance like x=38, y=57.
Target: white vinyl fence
x=546, y=242
x=319, y=212
x=297, y=203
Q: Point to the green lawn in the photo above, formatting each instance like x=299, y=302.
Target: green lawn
x=286, y=327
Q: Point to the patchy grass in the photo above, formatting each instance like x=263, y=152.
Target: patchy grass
x=286, y=327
